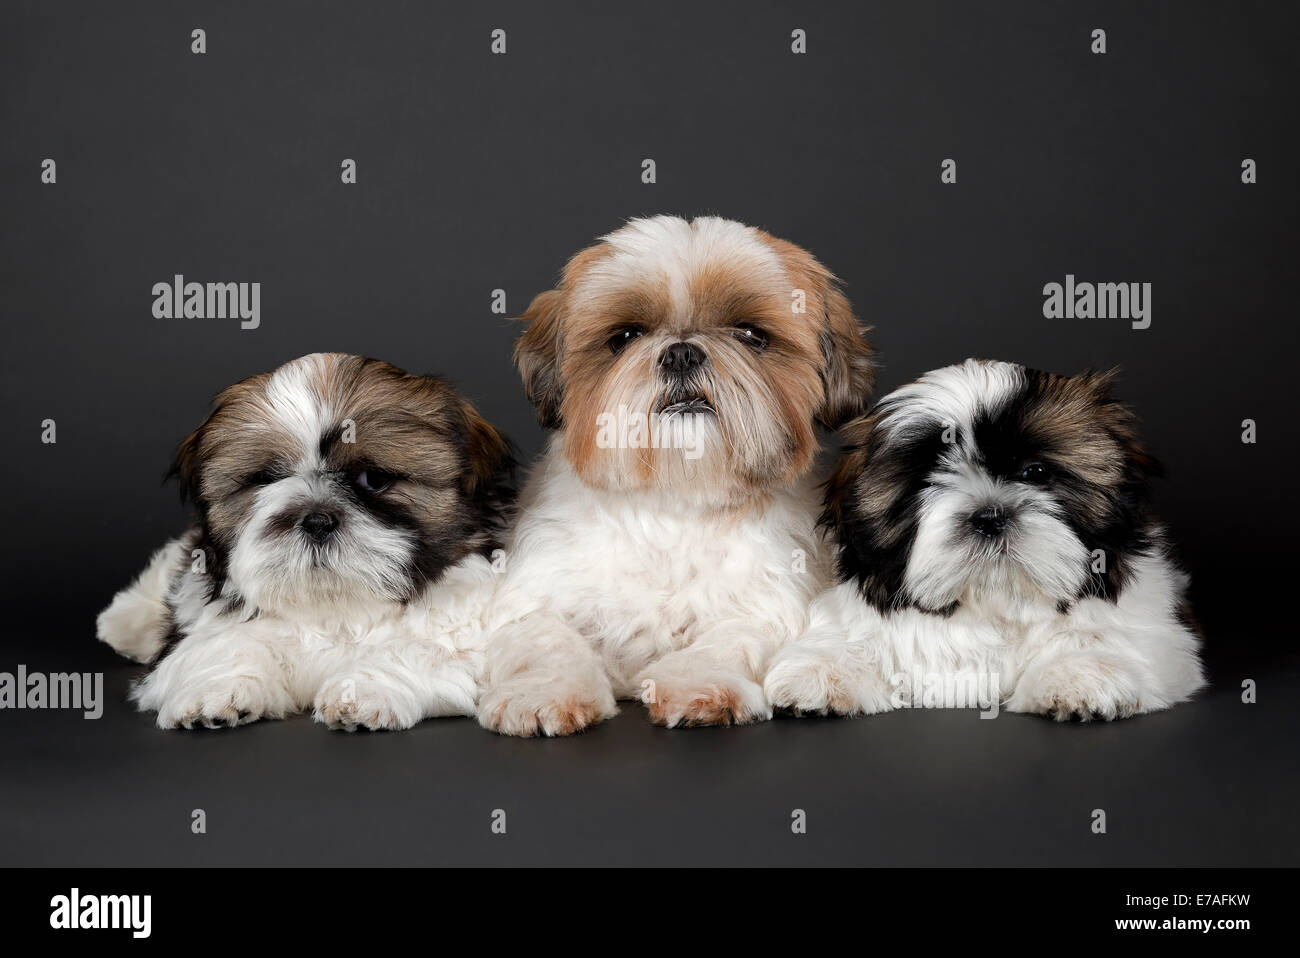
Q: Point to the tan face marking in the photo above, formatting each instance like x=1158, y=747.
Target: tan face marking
x=721, y=288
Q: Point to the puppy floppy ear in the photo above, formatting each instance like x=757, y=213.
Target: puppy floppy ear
x=1122, y=423
x=186, y=464
x=848, y=370
x=840, y=505
x=538, y=352
x=490, y=462
x=870, y=506
x=537, y=355
x=849, y=373
x=856, y=506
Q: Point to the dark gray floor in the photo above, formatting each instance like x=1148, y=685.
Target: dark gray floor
x=480, y=172
x=1213, y=782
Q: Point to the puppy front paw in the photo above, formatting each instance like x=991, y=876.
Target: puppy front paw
x=357, y=702
x=523, y=710
x=219, y=703
x=1083, y=687
x=811, y=682
x=133, y=626
x=707, y=700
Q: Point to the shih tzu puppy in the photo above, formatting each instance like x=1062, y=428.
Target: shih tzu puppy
x=340, y=562
x=667, y=544
x=992, y=521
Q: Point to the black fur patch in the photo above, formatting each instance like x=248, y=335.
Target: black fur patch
x=872, y=501
x=874, y=521
x=1112, y=518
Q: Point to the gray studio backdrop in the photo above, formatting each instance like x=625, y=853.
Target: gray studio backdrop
x=478, y=171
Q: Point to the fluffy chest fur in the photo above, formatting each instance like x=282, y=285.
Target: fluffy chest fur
x=642, y=575
x=1004, y=637
x=379, y=663
x=440, y=627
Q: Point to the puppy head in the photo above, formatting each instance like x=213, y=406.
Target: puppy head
x=990, y=479
x=339, y=480
x=680, y=354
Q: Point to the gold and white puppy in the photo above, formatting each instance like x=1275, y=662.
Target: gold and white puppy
x=346, y=512
x=666, y=545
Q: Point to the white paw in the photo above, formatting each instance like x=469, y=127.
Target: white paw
x=522, y=708
x=812, y=682
x=133, y=626
x=721, y=698
x=220, y=703
x=1083, y=686
x=358, y=702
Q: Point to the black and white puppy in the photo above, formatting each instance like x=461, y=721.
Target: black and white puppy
x=341, y=560
x=992, y=522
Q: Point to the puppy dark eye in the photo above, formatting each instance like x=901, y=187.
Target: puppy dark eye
x=624, y=336
x=263, y=477
x=1034, y=473
x=374, y=480
x=750, y=335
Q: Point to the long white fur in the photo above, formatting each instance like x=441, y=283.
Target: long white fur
x=664, y=594
x=336, y=639
x=1099, y=659
x=1107, y=659
x=377, y=665
x=644, y=594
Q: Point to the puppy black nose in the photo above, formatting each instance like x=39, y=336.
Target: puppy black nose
x=681, y=358
x=319, y=525
x=989, y=521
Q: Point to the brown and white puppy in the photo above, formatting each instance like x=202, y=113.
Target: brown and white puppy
x=346, y=512
x=995, y=539
x=666, y=545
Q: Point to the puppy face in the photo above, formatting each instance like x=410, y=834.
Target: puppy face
x=990, y=479
x=730, y=342
x=341, y=480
